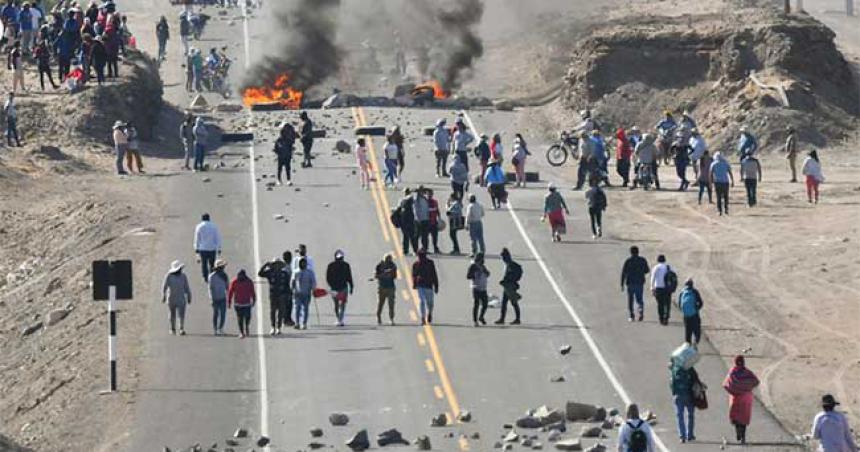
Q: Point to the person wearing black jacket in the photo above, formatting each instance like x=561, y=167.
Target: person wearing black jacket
x=426, y=283
x=478, y=275
x=633, y=277
x=284, y=150
x=279, y=274
x=386, y=274
x=98, y=58
x=307, y=137
x=162, y=32
x=339, y=279
x=510, y=286
x=406, y=214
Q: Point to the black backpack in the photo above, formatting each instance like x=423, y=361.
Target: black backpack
x=516, y=272
x=671, y=280
x=395, y=217
x=600, y=200
x=638, y=438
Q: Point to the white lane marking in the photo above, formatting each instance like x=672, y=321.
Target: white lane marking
x=592, y=345
x=255, y=220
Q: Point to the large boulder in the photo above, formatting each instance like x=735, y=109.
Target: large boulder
x=389, y=437
x=568, y=444
x=359, y=441
x=578, y=412
x=338, y=419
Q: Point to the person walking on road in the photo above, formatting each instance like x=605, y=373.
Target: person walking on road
x=690, y=302
x=176, y=292
x=399, y=140
x=303, y=284
x=186, y=132
x=456, y=221
x=426, y=283
x=302, y=253
x=422, y=217
x=830, y=428
x=241, y=294
x=363, y=162
x=633, y=277
x=475, y=225
x=442, y=143
x=278, y=273
x=623, y=154
x=463, y=139
x=496, y=179
x=284, y=147
x=207, y=244
x=162, y=33
x=478, y=276
x=200, y=136
x=790, y=149
x=704, y=176
x=722, y=178
x=814, y=177
x=218, y=284
x=459, y=175
x=681, y=383
x=751, y=174
x=392, y=153
x=739, y=383
x=120, y=143
x=635, y=434
x=405, y=214
x=386, y=274
x=482, y=152
x=307, y=139
x=518, y=160
x=596, y=200
x=554, y=210
x=339, y=279
x=661, y=288
x=435, y=224
x=510, y=288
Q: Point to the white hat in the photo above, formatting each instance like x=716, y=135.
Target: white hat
x=175, y=266
x=551, y=186
x=118, y=124
x=339, y=254
x=744, y=129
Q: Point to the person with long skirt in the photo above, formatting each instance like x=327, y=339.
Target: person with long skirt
x=554, y=210
x=739, y=383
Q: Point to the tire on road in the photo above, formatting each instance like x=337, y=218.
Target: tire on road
x=374, y=131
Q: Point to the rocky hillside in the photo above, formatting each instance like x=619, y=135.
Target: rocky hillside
x=741, y=65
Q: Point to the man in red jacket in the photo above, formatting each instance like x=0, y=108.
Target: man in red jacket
x=241, y=293
x=425, y=281
x=623, y=152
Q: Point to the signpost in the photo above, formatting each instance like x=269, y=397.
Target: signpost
x=112, y=281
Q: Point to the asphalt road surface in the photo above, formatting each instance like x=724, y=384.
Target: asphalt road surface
x=200, y=388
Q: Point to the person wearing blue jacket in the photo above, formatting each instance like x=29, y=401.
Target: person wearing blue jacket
x=25, y=24
x=601, y=158
x=682, y=395
x=495, y=178
x=747, y=144
x=65, y=47
x=690, y=303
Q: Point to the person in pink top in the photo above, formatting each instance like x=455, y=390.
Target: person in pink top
x=363, y=163
x=739, y=383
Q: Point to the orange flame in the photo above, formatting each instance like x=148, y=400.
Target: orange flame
x=280, y=92
x=438, y=91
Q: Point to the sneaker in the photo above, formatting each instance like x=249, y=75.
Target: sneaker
x=172, y=331
x=516, y=322
x=289, y=183
x=630, y=319
x=278, y=332
x=429, y=318
x=304, y=326
x=379, y=320
x=182, y=332
x=391, y=322
x=475, y=324
x=272, y=332
x=499, y=322
x=297, y=326
x=340, y=324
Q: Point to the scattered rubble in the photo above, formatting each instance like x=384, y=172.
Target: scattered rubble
x=359, y=441
x=423, y=443
x=440, y=420
x=338, y=419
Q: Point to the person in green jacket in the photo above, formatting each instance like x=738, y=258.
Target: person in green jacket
x=682, y=395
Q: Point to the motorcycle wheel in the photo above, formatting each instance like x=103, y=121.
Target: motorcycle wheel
x=556, y=155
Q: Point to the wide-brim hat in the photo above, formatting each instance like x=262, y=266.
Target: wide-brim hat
x=175, y=266
x=118, y=124
x=220, y=263
x=829, y=400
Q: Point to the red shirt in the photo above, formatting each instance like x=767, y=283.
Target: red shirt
x=623, y=150
x=241, y=292
x=434, y=210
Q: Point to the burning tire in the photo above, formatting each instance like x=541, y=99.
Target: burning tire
x=556, y=155
x=374, y=131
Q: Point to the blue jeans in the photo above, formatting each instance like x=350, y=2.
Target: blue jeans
x=682, y=404
x=390, y=170
x=302, y=306
x=219, y=314
x=207, y=262
x=199, y=155
x=476, y=233
x=120, y=156
x=635, y=292
x=426, y=296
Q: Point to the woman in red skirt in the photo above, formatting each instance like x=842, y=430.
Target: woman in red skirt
x=554, y=209
x=739, y=383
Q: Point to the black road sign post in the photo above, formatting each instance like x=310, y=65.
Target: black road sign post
x=112, y=281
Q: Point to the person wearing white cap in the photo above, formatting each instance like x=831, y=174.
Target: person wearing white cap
x=176, y=292
x=831, y=429
x=339, y=279
x=120, y=142
x=442, y=143
x=218, y=284
x=747, y=144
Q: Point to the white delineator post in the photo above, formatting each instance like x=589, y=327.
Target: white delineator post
x=112, y=336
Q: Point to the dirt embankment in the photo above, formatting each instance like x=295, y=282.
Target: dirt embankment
x=60, y=208
x=739, y=65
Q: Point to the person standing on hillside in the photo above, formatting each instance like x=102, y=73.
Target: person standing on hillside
x=25, y=23
x=241, y=294
x=554, y=210
x=831, y=429
x=186, y=133
x=133, y=154
x=510, y=287
x=739, y=383
x=162, y=33
x=207, y=244
x=201, y=134
x=477, y=274
x=722, y=179
x=218, y=284
x=284, y=146
x=426, y=283
x=596, y=200
x=633, y=277
x=690, y=302
x=176, y=292
x=751, y=174
x=43, y=61
x=790, y=149
x=307, y=139
x=303, y=283
x=812, y=171
x=15, y=63
x=278, y=273
x=475, y=224
x=339, y=280
x=623, y=153
x=747, y=143
x=442, y=143
x=120, y=143
x=98, y=57
x=661, y=289
x=386, y=275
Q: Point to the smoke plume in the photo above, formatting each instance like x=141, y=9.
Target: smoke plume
x=461, y=46
x=304, y=47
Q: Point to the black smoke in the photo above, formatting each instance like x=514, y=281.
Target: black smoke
x=302, y=45
x=461, y=46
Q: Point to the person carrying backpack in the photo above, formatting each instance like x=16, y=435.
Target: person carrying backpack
x=510, y=285
x=635, y=434
x=690, y=303
x=404, y=218
x=681, y=383
x=664, y=282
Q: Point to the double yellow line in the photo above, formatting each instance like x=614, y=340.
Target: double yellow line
x=425, y=338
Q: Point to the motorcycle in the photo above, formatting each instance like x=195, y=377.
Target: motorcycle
x=567, y=146
x=216, y=80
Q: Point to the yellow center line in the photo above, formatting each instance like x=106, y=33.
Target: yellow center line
x=379, y=214
x=413, y=315
x=444, y=379
x=421, y=341
x=439, y=394
x=429, y=365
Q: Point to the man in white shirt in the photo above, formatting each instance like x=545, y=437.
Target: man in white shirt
x=660, y=291
x=207, y=244
x=475, y=224
x=302, y=253
x=831, y=429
